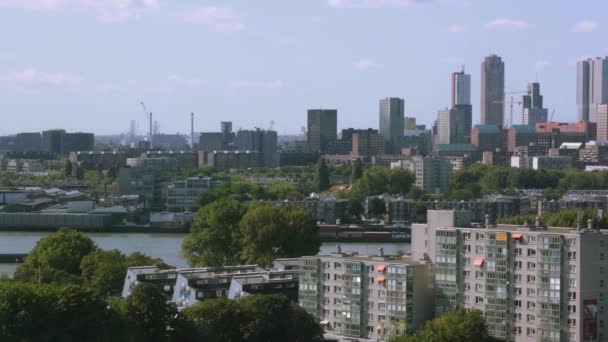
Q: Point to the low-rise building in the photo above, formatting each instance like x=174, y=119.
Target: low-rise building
x=182, y=193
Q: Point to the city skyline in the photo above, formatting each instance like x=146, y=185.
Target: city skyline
x=244, y=70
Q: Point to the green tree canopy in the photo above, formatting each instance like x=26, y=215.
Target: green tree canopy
x=376, y=207
x=357, y=171
x=148, y=311
x=458, y=326
x=215, y=237
x=216, y=320
x=321, y=180
x=56, y=258
x=269, y=232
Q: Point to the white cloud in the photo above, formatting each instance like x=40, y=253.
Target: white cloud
x=456, y=29
x=222, y=19
x=585, y=26
x=505, y=24
x=104, y=9
x=186, y=82
x=364, y=64
x=253, y=84
x=541, y=65
x=373, y=3
x=31, y=77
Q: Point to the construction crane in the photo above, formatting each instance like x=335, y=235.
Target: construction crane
x=149, y=117
x=511, y=102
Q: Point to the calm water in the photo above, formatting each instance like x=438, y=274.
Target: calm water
x=164, y=246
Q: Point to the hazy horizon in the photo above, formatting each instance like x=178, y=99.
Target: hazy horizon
x=85, y=65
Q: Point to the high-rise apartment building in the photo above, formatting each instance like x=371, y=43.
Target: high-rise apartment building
x=322, y=128
x=363, y=298
x=592, y=87
x=461, y=88
x=492, y=91
x=410, y=123
x=533, y=283
x=391, y=119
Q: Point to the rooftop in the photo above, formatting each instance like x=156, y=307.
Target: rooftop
x=487, y=129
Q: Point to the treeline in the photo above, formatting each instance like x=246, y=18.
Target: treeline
x=563, y=218
x=227, y=232
x=480, y=179
x=69, y=290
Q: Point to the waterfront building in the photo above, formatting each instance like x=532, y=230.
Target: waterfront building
x=363, y=298
x=532, y=283
x=183, y=193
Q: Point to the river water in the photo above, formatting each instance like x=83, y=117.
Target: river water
x=164, y=246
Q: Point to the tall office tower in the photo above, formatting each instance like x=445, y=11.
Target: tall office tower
x=443, y=127
x=392, y=120
x=461, y=88
x=592, y=87
x=454, y=125
x=52, y=141
x=492, y=91
x=598, y=85
x=73, y=142
x=533, y=110
x=461, y=122
x=322, y=128
x=582, y=90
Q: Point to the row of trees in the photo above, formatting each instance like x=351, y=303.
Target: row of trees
x=480, y=179
x=227, y=232
x=70, y=257
x=564, y=218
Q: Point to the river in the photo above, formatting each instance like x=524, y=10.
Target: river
x=164, y=246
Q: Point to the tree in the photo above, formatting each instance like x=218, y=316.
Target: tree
x=269, y=232
x=104, y=271
x=149, y=313
x=376, y=207
x=458, y=326
x=214, y=239
x=283, y=191
x=321, y=180
x=136, y=259
x=67, y=169
x=357, y=171
x=354, y=208
x=275, y=318
x=56, y=258
x=34, y=312
x=216, y=320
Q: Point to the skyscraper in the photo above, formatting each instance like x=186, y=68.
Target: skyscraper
x=454, y=125
x=392, y=120
x=461, y=88
x=582, y=90
x=533, y=110
x=592, y=87
x=322, y=128
x=492, y=91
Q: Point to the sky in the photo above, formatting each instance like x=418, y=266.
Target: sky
x=86, y=65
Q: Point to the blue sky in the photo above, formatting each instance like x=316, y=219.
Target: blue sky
x=86, y=64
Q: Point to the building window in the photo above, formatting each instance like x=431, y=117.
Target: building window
x=530, y=331
x=530, y=305
x=532, y=239
x=572, y=282
x=571, y=295
x=478, y=300
x=517, y=303
x=531, y=265
x=530, y=318
x=572, y=322
x=517, y=330
x=531, y=292
x=517, y=264
x=531, y=279
x=572, y=308
x=517, y=251
x=517, y=278
x=531, y=252
x=572, y=255
x=467, y=248
x=601, y=282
